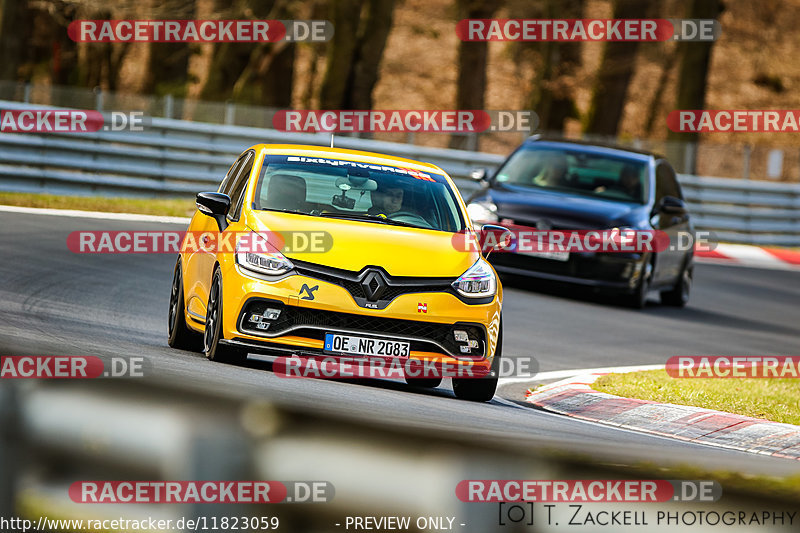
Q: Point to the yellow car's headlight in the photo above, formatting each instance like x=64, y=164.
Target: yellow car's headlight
x=251, y=254
x=479, y=281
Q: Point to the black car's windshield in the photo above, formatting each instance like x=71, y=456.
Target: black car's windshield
x=578, y=172
x=359, y=191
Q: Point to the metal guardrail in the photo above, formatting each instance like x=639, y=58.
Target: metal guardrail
x=175, y=157
x=56, y=433
x=135, y=429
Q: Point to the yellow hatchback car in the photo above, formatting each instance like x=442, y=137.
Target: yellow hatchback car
x=310, y=252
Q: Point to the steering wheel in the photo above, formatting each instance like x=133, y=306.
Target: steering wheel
x=411, y=218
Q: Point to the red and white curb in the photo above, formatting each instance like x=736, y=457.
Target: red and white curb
x=575, y=397
x=750, y=256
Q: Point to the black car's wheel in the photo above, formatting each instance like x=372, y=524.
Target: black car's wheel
x=638, y=298
x=180, y=336
x=481, y=389
x=428, y=383
x=213, y=348
x=678, y=296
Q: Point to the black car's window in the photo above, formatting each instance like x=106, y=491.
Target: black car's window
x=348, y=189
x=579, y=172
x=666, y=182
x=239, y=186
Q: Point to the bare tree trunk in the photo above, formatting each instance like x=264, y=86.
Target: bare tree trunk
x=472, y=59
x=168, y=63
x=666, y=67
x=692, y=83
x=369, y=53
x=346, y=15
x=278, y=80
x=16, y=23
x=230, y=60
x=616, y=70
x=553, y=98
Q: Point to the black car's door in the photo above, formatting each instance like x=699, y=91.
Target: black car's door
x=670, y=216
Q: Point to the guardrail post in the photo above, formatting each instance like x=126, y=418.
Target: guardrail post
x=472, y=141
x=168, y=106
x=230, y=113
x=746, y=162
x=98, y=98
x=26, y=96
x=690, y=157
x=218, y=453
x=9, y=448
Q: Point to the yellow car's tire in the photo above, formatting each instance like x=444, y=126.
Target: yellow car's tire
x=212, y=347
x=178, y=333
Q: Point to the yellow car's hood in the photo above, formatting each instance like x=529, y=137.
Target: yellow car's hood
x=399, y=250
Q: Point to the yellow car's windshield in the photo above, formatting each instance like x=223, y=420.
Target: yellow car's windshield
x=363, y=191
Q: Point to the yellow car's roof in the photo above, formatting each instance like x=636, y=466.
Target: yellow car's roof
x=350, y=155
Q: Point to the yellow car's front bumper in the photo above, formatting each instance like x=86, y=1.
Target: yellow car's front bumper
x=311, y=307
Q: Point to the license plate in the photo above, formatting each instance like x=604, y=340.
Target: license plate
x=555, y=256
x=355, y=345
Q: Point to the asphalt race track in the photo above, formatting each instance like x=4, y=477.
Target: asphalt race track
x=53, y=301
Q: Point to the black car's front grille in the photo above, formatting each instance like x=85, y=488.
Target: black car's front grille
x=314, y=323
x=595, y=266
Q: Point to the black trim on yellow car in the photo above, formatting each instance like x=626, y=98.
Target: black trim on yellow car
x=313, y=323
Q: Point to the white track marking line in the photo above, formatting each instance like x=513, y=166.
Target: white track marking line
x=736, y=263
x=560, y=374
x=73, y=213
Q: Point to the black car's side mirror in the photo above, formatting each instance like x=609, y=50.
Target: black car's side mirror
x=216, y=205
x=671, y=205
x=481, y=175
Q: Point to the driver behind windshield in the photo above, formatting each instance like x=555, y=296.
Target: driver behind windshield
x=386, y=200
x=554, y=173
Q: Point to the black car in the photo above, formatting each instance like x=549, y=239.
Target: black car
x=574, y=186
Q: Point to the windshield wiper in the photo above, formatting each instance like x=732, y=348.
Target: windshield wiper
x=292, y=211
x=369, y=218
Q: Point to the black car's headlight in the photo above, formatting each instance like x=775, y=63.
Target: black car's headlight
x=625, y=235
x=250, y=257
x=482, y=211
x=479, y=281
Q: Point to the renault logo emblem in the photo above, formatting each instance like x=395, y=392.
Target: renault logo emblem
x=374, y=285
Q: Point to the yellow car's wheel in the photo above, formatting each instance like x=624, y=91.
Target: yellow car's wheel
x=180, y=336
x=213, y=348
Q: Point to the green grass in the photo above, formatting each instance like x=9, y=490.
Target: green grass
x=769, y=488
x=773, y=399
x=178, y=207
